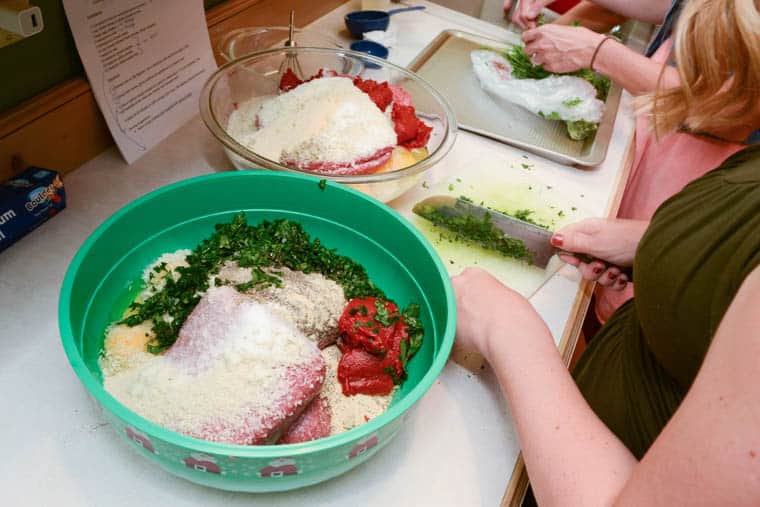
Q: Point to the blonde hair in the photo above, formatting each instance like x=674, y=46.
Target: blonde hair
x=717, y=54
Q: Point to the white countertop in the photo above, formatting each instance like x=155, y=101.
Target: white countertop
x=458, y=447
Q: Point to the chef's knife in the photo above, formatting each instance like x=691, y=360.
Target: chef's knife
x=536, y=239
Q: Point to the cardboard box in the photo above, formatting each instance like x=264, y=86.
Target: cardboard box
x=28, y=200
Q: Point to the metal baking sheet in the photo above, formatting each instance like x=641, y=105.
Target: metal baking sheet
x=445, y=64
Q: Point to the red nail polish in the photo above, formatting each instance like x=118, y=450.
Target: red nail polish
x=597, y=270
x=557, y=240
x=611, y=275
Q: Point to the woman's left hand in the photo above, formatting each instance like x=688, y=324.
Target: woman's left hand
x=561, y=48
x=487, y=309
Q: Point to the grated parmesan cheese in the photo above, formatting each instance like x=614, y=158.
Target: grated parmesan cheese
x=348, y=412
x=323, y=120
x=312, y=302
x=156, y=280
x=232, y=392
x=238, y=366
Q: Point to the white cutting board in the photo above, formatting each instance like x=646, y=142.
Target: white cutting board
x=504, y=181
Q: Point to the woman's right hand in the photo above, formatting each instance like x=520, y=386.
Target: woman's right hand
x=610, y=240
x=561, y=48
x=527, y=11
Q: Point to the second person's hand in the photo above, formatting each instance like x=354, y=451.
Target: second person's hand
x=527, y=11
x=561, y=48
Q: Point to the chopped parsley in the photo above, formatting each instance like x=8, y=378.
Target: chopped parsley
x=414, y=329
x=270, y=244
x=554, y=115
x=525, y=216
x=523, y=68
x=480, y=231
x=322, y=184
x=382, y=316
x=358, y=309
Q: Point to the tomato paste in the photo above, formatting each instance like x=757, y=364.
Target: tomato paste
x=411, y=131
x=289, y=80
x=372, y=336
x=379, y=93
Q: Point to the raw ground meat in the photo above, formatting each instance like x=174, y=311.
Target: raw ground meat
x=203, y=340
x=300, y=386
x=311, y=301
x=314, y=423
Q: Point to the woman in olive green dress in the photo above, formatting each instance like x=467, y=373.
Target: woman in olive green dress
x=665, y=407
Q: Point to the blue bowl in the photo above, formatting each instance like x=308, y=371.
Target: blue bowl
x=359, y=22
x=371, y=48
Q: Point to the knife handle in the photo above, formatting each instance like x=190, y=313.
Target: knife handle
x=588, y=259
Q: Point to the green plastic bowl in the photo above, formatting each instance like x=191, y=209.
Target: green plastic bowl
x=100, y=283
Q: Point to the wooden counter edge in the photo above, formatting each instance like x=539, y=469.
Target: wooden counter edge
x=62, y=128
x=518, y=483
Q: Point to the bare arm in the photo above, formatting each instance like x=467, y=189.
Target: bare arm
x=636, y=73
x=651, y=11
x=592, y=16
x=568, y=48
x=559, y=433
x=707, y=454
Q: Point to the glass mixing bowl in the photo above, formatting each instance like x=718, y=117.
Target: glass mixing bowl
x=256, y=76
x=244, y=41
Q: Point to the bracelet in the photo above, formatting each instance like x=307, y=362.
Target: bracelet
x=596, y=51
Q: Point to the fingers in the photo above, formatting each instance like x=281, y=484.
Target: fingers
x=598, y=271
x=530, y=35
x=523, y=15
x=573, y=241
x=570, y=259
x=592, y=271
x=533, y=10
x=621, y=283
x=527, y=12
x=507, y=5
x=613, y=279
x=606, y=276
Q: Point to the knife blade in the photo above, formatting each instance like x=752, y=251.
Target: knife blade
x=536, y=239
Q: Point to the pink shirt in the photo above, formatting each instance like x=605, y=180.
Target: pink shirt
x=661, y=168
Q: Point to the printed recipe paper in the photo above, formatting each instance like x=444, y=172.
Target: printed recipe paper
x=146, y=60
